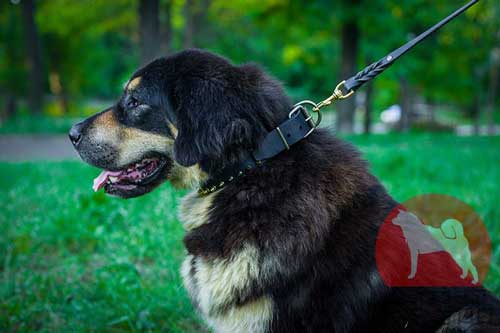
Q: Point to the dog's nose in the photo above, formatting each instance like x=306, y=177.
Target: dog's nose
x=75, y=134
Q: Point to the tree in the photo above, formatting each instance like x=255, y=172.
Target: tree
x=13, y=79
x=34, y=58
x=166, y=29
x=493, y=88
x=195, y=17
x=452, y=65
x=367, y=123
x=350, y=44
x=149, y=23
x=309, y=46
x=406, y=102
x=90, y=50
x=189, y=28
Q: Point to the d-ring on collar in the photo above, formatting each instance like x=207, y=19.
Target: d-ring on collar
x=299, y=125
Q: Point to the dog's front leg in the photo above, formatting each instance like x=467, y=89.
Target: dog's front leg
x=228, y=291
x=246, y=270
x=414, y=263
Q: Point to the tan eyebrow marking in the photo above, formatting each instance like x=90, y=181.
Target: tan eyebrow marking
x=134, y=83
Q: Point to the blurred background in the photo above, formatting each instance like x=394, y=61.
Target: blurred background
x=63, y=59
x=74, y=260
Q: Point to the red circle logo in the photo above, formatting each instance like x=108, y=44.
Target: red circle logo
x=433, y=240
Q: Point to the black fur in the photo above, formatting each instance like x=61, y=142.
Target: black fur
x=219, y=109
x=312, y=212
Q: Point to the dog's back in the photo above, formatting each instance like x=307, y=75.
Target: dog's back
x=305, y=236
x=417, y=234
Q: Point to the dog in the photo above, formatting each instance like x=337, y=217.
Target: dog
x=422, y=239
x=452, y=237
x=419, y=239
x=286, y=246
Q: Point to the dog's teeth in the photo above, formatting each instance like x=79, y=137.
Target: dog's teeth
x=113, y=179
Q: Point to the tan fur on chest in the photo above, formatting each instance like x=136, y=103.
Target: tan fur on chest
x=194, y=210
x=215, y=285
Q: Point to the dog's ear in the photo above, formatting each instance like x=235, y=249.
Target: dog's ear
x=208, y=121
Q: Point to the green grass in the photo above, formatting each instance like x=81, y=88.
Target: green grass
x=73, y=260
x=76, y=261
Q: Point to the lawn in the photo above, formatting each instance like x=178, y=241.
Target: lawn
x=76, y=261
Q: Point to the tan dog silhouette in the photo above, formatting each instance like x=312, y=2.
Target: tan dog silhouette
x=424, y=239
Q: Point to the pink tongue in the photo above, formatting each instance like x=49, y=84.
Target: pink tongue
x=103, y=178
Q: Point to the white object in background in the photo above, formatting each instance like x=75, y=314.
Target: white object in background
x=391, y=115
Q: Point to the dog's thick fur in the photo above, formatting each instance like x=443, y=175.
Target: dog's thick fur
x=290, y=247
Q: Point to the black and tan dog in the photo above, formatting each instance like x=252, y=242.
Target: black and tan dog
x=289, y=246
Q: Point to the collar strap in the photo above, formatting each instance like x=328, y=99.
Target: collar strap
x=298, y=126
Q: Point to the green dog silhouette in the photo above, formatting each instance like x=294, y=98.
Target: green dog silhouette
x=451, y=236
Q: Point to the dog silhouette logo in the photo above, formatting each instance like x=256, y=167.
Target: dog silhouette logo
x=452, y=238
x=433, y=240
x=422, y=239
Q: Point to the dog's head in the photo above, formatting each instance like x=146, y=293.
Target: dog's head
x=178, y=118
x=406, y=219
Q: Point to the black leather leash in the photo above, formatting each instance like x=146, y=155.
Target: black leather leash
x=352, y=84
x=300, y=122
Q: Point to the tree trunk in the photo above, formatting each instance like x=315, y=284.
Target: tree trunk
x=493, y=87
x=149, y=23
x=476, y=102
x=349, y=40
x=476, y=112
x=189, y=28
x=367, y=124
x=10, y=106
x=196, y=28
x=34, y=58
x=406, y=104
x=57, y=88
x=166, y=29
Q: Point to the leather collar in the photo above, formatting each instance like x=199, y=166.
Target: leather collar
x=298, y=126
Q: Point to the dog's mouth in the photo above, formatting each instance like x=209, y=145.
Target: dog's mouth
x=126, y=182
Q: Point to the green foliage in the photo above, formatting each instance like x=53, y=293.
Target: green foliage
x=298, y=42
x=12, y=70
x=88, y=43
x=76, y=261
x=93, y=46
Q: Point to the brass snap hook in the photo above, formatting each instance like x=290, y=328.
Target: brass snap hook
x=336, y=95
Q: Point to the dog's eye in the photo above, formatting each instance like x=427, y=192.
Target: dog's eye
x=132, y=102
